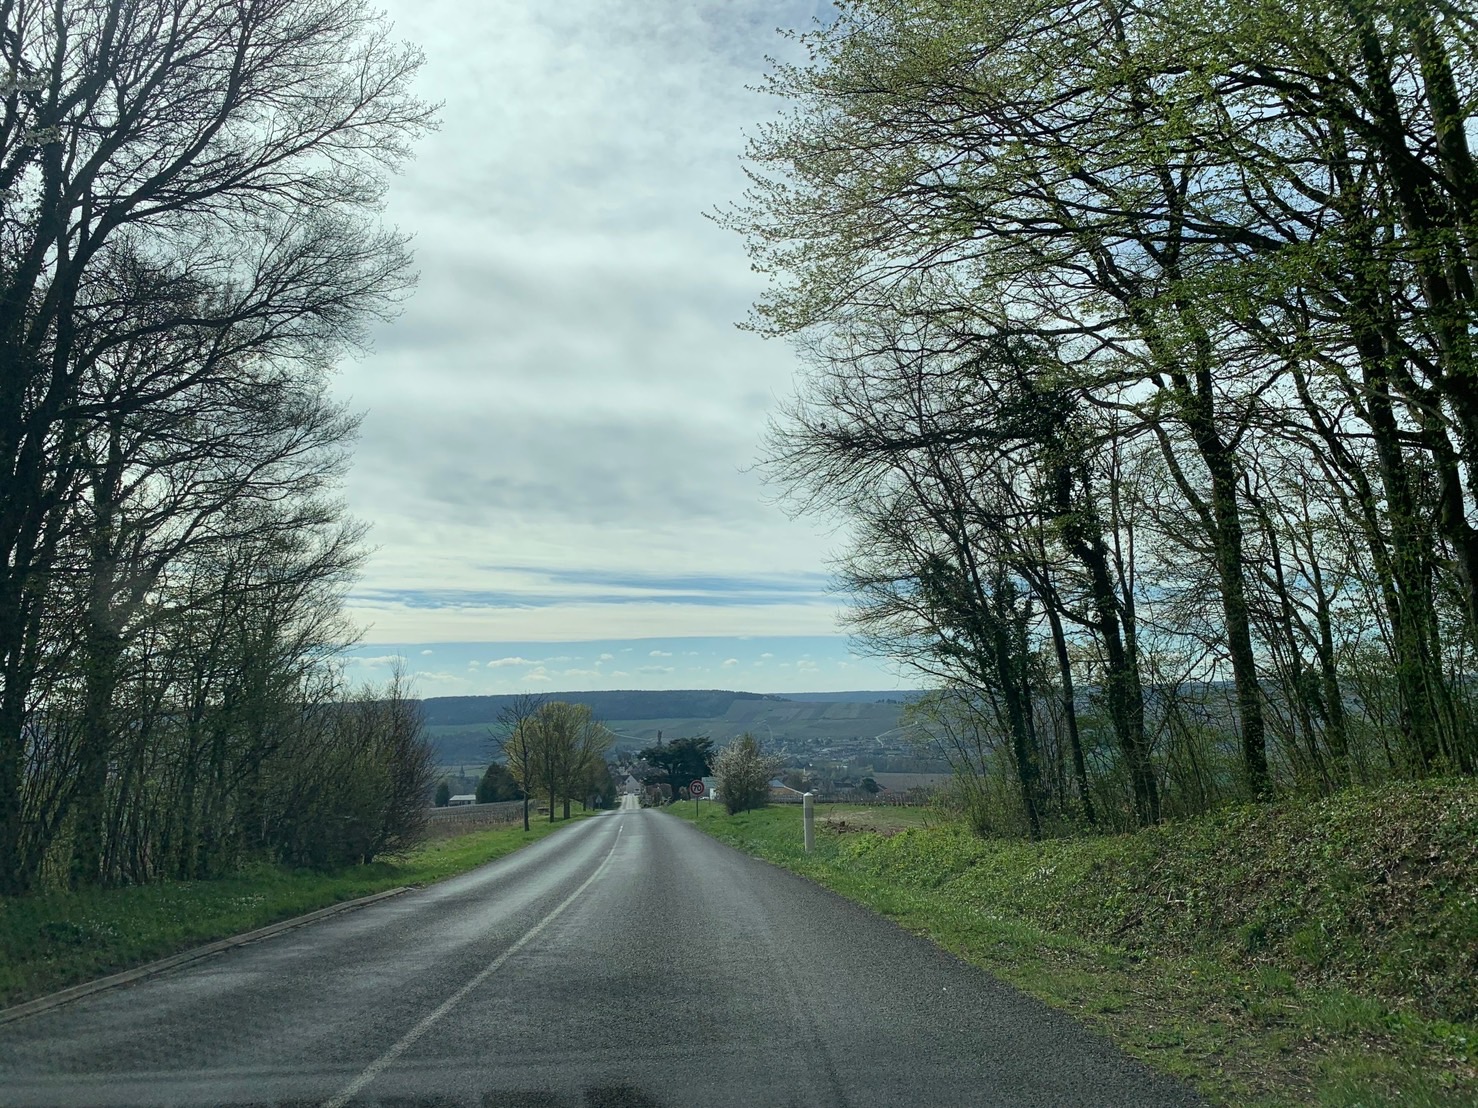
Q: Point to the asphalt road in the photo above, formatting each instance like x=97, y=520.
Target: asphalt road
x=627, y=962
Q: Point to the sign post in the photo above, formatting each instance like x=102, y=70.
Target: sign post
x=808, y=821
x=695, y=790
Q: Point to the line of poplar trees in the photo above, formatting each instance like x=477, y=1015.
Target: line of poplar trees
x=554, y=750
x=1141, y=372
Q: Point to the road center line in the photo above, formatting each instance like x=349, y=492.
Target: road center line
x=378, y=1066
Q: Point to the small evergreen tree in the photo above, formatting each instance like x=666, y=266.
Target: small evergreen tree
x=443, y=793
x=680, y=762
x=497, y=784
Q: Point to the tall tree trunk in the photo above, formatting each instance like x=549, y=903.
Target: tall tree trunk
x=1335, y=731
x=1302, y=699
x=14, y=878
x=1232, y=579
x=1070, y=714
x=90, y=789
x=1221, y=519
x=1008, y=656
x=102, y=649
x=1410, y=603
x=21, y=603
x=1441, y=242
x=1123, y=688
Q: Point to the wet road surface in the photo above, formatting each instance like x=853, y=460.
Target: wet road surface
x=626, y=962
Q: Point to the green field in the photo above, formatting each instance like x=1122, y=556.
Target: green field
x=54, y=940
x=1301, y=953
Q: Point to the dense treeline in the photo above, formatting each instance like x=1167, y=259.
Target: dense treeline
x=187, y=246
x=1142, y=370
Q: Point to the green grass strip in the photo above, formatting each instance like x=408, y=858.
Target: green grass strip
x=49, y=941
x=1244, y=1028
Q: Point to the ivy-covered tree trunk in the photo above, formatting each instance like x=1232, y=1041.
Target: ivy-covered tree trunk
x=1070, y=714
x=1123, y=689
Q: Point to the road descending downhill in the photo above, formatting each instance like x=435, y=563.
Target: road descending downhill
x=627, y=962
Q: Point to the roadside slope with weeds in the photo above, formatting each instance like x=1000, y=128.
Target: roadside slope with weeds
x=51, y=940
x=1305, y=952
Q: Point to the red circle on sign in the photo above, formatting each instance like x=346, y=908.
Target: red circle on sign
x=697, y=788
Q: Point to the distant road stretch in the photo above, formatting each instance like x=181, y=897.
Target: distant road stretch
x=627, y=962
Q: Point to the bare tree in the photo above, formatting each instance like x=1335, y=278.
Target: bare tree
x=193, y=177
x=584, y=741
x=519, y=744
x=188, y=189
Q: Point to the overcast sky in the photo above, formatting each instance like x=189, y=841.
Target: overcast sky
x=560, y=427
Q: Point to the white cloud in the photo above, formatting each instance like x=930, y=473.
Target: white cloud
x=572, y=186
x=810, y=665
x=426, y=652
x=659, y=654
x=606, y=658
x=504, y=663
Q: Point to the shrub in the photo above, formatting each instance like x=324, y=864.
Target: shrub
x=744, y=771
x=356, y=786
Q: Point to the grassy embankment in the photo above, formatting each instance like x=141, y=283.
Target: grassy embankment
x=52, y=940
x=1300, y=953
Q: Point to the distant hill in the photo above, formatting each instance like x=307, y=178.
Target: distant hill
x=461, y=727
x=446, y=711
x=895, y=696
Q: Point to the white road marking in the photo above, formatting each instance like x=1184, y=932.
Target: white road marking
x=378, y=1066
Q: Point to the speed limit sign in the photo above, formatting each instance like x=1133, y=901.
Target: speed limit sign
x=697, y=789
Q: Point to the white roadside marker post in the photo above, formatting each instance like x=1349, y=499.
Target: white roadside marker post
x=808, y=820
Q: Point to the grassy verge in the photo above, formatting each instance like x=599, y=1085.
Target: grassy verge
x=52, y=940
x=1302, y=953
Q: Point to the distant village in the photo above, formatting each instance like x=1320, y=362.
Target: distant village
x=844, y=750
x=635, y=777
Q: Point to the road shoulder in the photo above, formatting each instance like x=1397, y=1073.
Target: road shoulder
x=63, y=944
x=1240, y=1031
